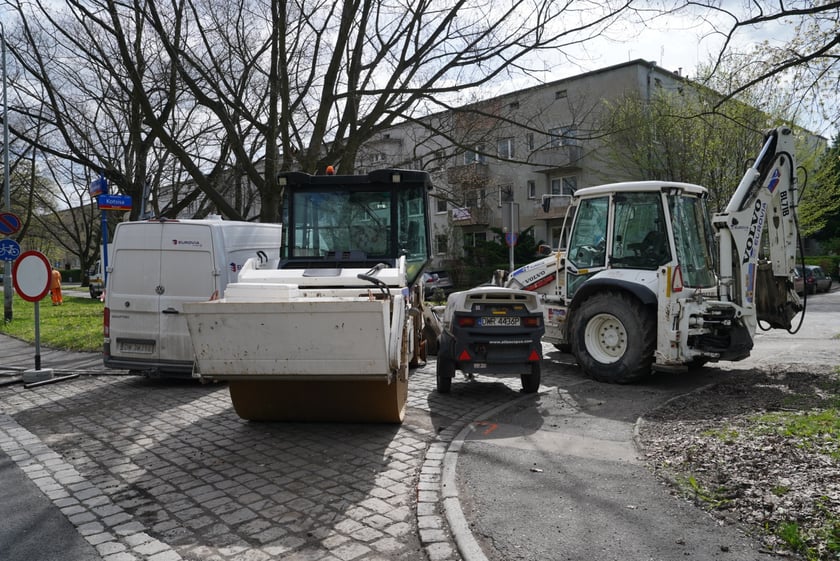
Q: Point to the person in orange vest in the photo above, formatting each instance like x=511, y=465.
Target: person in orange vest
x=55, y=288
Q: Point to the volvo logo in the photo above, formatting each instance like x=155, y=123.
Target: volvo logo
x=756, y=227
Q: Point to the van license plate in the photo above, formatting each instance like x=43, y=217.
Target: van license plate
x=141, y=348
x=500, y=321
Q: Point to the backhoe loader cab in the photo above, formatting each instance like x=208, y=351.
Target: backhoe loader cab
x=641, y=226
x=327, y=331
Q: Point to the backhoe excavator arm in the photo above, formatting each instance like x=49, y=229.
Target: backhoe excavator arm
x=762, y=211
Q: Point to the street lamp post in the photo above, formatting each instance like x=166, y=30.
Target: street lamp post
x=7, y=275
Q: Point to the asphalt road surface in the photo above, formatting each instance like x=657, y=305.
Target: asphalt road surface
x=557, y=477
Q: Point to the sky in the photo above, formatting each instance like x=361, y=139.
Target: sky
x=678, y=44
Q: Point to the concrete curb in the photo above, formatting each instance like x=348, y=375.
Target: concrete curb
x=465, y=541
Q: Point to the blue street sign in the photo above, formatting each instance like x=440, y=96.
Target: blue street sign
x=98, y=187
x=9, y=250
x=114, y=202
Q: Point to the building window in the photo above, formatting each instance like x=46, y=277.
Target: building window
x=440, y=205
x=532, y=189
x=560, y=94
x=514, y=105
x=475, y=198
x=438, y=159
x=475, y=156
x=441, y=243
x=470, y=238
x=562, y=136
x=529, y=141
x=555, y=138
x=505, y=195
x=505, y=148
x=564, y=185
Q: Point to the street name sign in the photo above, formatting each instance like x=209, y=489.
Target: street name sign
x=114, y=202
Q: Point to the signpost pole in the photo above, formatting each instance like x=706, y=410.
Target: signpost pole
x=103, y=183
x=512, y=241
x=7, y=280
x=37, y=335
x=511, y=228
x=32, y=274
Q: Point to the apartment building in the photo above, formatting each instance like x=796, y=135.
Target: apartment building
x=501, y=156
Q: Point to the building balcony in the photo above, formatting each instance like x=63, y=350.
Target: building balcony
x=557, y=208
x=470, y=175
x=470, y=216
x=557, y=157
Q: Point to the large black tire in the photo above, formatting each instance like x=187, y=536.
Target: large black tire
x=531, y=382
x=445, y=372
x=614, y=337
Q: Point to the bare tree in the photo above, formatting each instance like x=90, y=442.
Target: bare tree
x=65, y=219
x=807, y=59
x=72, y=89
x=266, y=85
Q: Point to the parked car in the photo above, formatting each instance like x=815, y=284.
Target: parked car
x=437, y=280
x=815, y=279
x=798, y=281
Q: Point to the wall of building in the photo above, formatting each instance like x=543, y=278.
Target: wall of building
x=515, y=148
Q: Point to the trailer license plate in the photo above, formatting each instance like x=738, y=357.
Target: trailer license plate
x=132, y=347
x=500, y=321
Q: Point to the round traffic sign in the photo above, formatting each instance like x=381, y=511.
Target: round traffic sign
x=31, y=275
x=9, y=250
x=9, y=223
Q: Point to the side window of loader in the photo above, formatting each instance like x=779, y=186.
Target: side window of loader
x=412, y=240
x=640, y=234
x=587, y=248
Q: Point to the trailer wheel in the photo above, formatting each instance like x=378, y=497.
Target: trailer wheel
x=614, y=338
x=531, y=382
x=445, y=372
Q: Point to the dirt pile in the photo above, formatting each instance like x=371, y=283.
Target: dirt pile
x=762, y=448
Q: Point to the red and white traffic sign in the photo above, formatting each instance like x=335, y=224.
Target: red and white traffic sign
x=9, y=223
x=31, y=275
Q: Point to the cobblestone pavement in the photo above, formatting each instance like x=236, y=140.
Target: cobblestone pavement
x=161, y=470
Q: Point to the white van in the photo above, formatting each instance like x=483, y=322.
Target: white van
x=154, y=267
